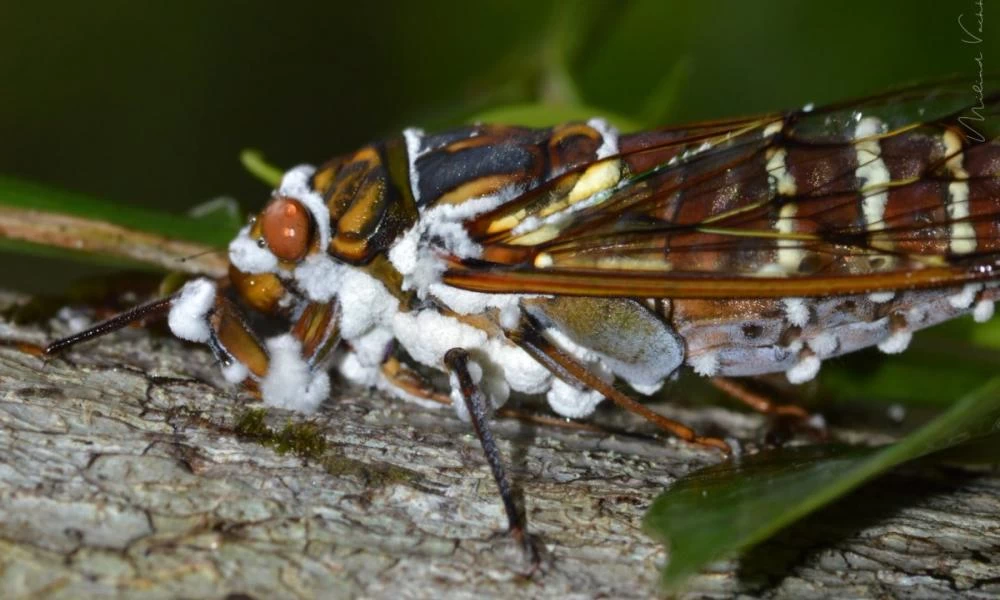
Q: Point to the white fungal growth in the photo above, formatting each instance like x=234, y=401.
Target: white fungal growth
x=804, y=370
x=465, y=302
x=371, y=348
x=250, y=257
x=983, y=311
x=417, y=253
x=570, y=402
x=493, y=388
x=966, y=297
x=796, y=311
x=235, y=372
x=916, y=315
x=351, y=369
x=823, y=344
x=609, y=137
x=706, y=364
x=188, y=317
x=881, y=297
x=414, y=137
x=365, y=303
x=428, y=335
x=647, y=390
x=289, y=382
x=522, y=372
x=320, y=277
x=897, y=342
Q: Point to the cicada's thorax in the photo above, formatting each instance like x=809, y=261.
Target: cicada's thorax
x=386, y=218
x=381, y=191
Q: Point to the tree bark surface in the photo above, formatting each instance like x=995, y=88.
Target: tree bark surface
x=122, y=475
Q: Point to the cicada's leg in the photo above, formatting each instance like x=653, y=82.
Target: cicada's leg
x=758, y=402
x=562, y=365
x=457, y=362
x=246, y=360
x=788, y=419
x=199, y=313
x=318, y=329
x=410, y=382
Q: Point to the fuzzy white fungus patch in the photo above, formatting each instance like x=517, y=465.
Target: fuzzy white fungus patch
x=805, y=370
x=647, y=390
x=417, y=253
x=248, y=256
x=370, y=349
x=320, y=277
x=570, y=402
x=796, y=311
x=414, y=138
x=188, y=317
x=351, y=369
x=705, y=364
x=966, y=297
x=609, y=137
x=983, y=311
x=364, y=304
x=897, y=342
x=465, y=302
x=235, y=372
x=493, y=388
x=881, y=297
x=428, y=335
x=823, y=344
x=289, y=382
x=522, y=372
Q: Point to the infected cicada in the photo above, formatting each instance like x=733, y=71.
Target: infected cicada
x=562, y=261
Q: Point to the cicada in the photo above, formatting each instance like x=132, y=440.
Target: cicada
x=566, y=261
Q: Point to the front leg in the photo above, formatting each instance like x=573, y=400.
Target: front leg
x=457, y=362
x=285, y=371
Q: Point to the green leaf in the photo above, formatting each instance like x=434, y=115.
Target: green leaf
x=21, y=194
x=253, y=161
x=969, y=351
x=728, y=508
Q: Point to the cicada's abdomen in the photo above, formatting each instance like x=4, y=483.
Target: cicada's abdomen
x=758, y=336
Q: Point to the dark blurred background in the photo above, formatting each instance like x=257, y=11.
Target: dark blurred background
x=150, y=103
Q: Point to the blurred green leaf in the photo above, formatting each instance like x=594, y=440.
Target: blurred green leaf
x=21, y=194
x=969, y=352
x=254, y=162
x=725, y=509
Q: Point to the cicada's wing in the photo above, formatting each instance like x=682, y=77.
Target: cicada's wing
x=894, y=192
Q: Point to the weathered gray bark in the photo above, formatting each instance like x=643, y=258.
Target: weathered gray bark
x=121, y=474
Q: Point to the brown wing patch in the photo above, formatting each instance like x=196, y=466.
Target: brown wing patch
x=852, y=198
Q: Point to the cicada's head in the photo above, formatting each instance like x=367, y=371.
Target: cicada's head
x=292, y=226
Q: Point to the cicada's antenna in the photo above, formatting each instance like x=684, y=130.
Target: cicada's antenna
x=200, y=254
x=158, y=309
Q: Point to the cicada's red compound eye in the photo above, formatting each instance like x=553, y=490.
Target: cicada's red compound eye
x=286, y=227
